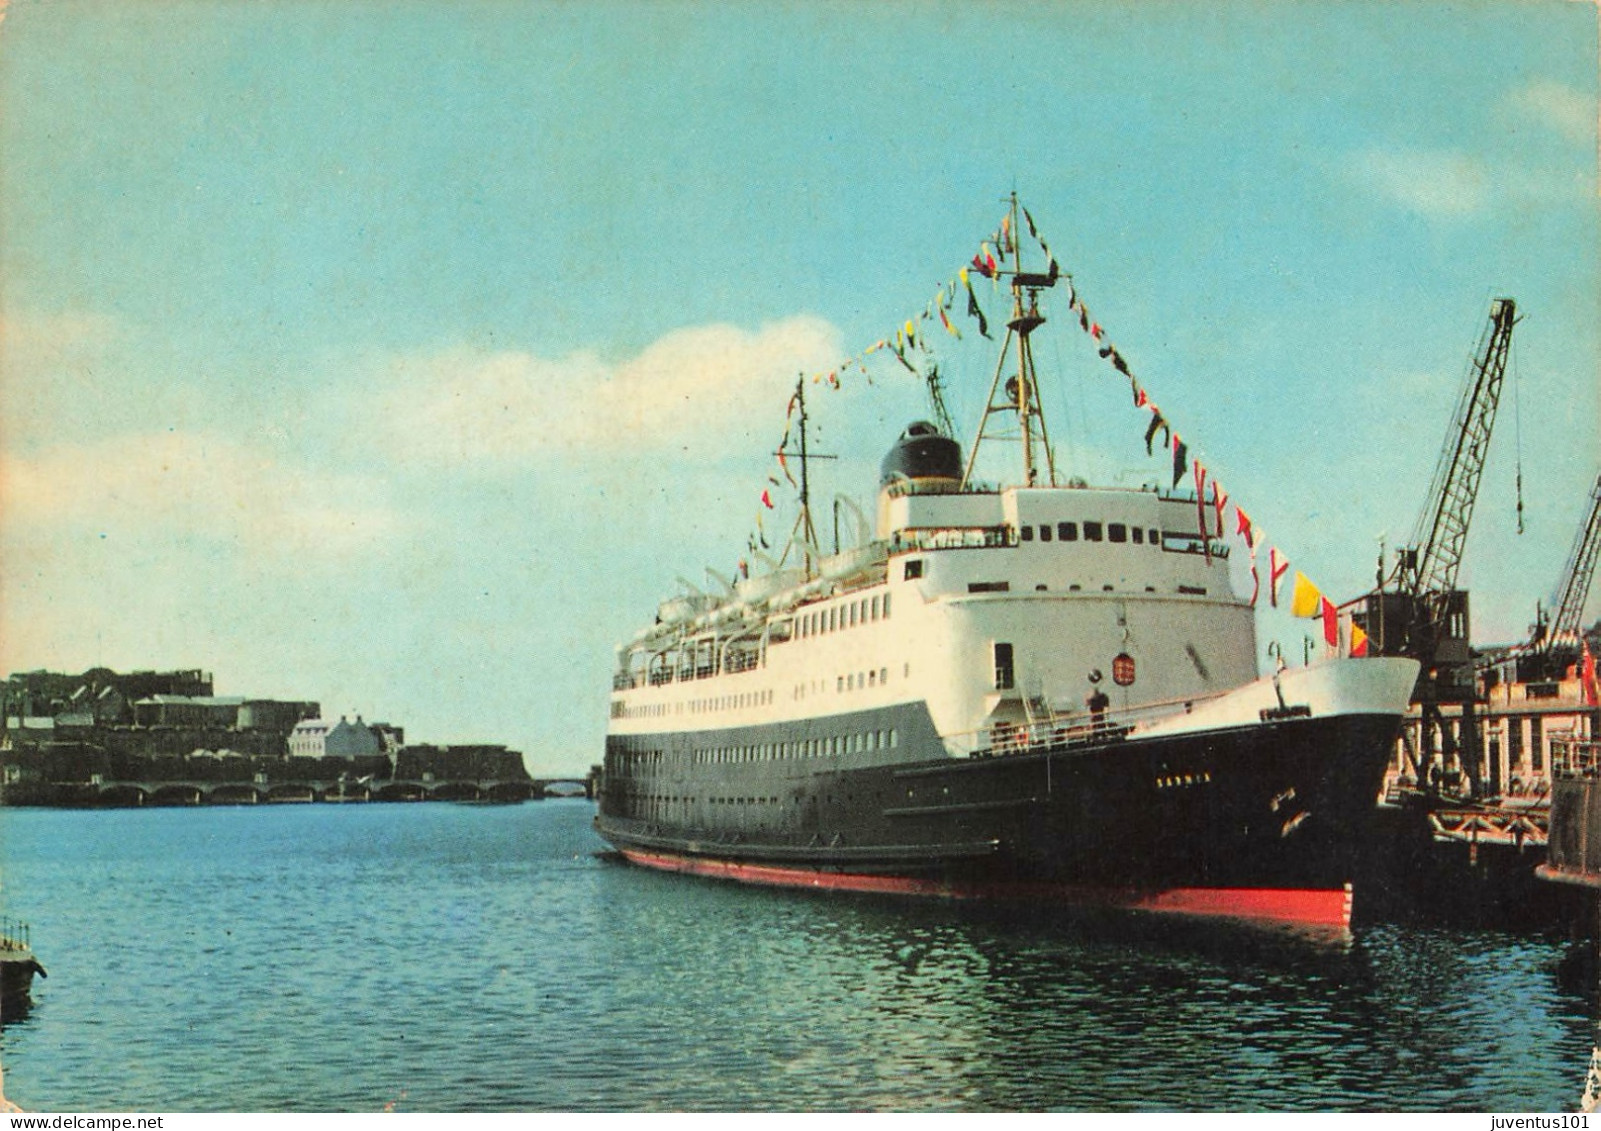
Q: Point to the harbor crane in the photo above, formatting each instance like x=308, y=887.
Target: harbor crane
x=1418, y=611
x=1554, y=644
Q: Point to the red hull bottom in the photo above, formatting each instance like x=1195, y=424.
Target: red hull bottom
x=1319, y=908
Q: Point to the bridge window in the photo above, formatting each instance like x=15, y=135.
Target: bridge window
x=1027, y=533
x=1067, y=531
x=1117, y=532
x=1139, y=535
x=912, y=570
x=1045, y=532
x=1092, y=532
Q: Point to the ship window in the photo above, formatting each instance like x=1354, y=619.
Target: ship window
x=1004, y=674
x=872, y=679
x=1154, y=538
x=1092, y=532
x=1045, y=532
x=883, y=675
x=886, y=606
x=1027, y=533
x=1117, y=532
x=913, y=569
x=1067, y=531
x=1139, y=535
x=875, y=608
x=841, y=686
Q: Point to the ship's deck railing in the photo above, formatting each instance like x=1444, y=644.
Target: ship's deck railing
x=1576, y=758
x=952, y=538
x=1070, y=729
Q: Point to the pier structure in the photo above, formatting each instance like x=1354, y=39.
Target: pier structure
x=1574, y=854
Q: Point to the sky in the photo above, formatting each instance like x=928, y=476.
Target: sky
x=404, y=356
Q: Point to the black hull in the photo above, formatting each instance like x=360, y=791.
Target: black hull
x=1241, y=821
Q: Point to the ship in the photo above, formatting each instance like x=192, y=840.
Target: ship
x=17, y=968
x=1041, y=691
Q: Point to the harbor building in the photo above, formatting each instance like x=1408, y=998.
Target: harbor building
x=319, y=738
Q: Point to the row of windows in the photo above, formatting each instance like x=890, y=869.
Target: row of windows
x=643, y=711
x=645, y=800
x=1093, y=532
x=831, y=747
x=855, y=681
x=836, y=618
x=731, y=702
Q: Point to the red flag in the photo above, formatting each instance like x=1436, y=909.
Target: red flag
x=1096, y=331
x=1359, y=640
x=1242, y=527
x=1220, y=500
x=1200, y=511
x=767, y=500
x=1331, y=623
x=1277, y=564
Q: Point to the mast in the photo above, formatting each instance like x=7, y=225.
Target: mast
x=1020, y=393
x=803, y=531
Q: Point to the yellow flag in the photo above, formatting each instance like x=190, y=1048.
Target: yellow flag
x=1306, y=599
x=1359, y=640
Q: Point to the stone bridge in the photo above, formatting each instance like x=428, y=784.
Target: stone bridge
x=134, y=794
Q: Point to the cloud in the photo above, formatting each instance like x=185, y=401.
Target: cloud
x=1437, y=184
x=1559, y=108
x=54, y=367
x=192, y=487
x=474, y=409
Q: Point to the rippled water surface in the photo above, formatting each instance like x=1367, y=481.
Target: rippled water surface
x=443, y=958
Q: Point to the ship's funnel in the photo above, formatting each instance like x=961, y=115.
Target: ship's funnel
x=922, y=462
x=924, y=458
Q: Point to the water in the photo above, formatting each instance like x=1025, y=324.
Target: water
x=464, y=958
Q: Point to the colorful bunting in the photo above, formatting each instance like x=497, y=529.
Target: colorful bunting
x=1304, y=601
x=1277, y=564
x=1331, y=622
x=1359, y=640
x=974, y=311
x=1157, y=425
